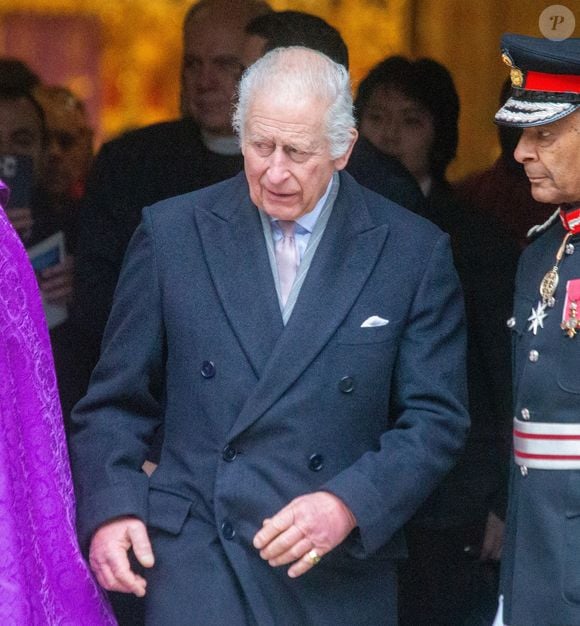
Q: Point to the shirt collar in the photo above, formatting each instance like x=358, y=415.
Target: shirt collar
x=308, y=220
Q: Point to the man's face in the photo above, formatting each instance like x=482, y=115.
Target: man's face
x=286, y=155
x=254, y=48
x=550, y=155
x=211, y=69
x=21, y=130
x=69, y=151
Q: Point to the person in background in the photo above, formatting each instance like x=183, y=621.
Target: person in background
x=372, y=168
x=154, y=163
x=308, y=412
x=540, y=572
x=503, y=191
x=69, y=150
x=62, y=174
x=163, y=160
x=15, y=74
x=43, y=578
x=410, y=110
x=22, y=134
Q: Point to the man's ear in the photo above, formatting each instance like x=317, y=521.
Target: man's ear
x=341, y=162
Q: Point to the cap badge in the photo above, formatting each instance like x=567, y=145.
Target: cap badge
x=516, y=75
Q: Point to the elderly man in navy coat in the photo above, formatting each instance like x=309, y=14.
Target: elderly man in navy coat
x=302, y=341
x=540, y=578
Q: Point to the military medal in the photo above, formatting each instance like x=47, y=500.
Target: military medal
x=551, y=279
x=570, y=320
x=537, y=317
x=548, y=288
x=549, y=284
x=572, y=324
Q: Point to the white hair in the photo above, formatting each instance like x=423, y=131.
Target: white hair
x=296, y=73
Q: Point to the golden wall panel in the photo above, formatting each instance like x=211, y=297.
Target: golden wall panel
x=141, y=47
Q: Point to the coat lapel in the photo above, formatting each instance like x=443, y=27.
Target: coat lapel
x=235, y=251
x=345, y=258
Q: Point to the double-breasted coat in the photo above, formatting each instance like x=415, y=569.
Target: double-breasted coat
x=256, y=413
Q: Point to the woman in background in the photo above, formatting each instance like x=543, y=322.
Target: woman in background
x=409, y=109
x=44, y=580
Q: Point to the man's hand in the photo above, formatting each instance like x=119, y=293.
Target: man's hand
x=108, y=555
x=22, y=222
x=56, y=282
x=318, y=521
x=492, y=539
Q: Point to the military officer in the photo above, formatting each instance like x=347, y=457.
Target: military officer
x=540, y=579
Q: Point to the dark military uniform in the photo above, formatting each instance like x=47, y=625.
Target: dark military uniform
x=541, y=564
x=540, y=578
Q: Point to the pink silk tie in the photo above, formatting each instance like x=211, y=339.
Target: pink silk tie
x=287, y=258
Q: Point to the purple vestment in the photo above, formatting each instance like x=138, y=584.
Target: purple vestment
x=44, y=580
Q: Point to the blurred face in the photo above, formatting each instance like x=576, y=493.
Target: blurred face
x=69, y=151
x=21, y=130
x=253, y=49
x=286, y=155
x=400, y=127
x=550, y=155
x=211, y=69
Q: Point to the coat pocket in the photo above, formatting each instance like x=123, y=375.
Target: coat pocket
x=168, y=511
x=373, y=334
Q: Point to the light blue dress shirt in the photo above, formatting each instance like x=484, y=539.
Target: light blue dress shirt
x=309, y=230
x=304, y=225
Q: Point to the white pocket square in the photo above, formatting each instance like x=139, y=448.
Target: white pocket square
x=374, y=321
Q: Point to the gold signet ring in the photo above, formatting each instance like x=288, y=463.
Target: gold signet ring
x=314, y=557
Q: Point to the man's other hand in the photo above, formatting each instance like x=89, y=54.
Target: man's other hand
x=318, y=521
x=108, y=555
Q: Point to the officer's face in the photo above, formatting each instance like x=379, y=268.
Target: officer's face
x=286, y=155
x=550, y=155
x=400, y=127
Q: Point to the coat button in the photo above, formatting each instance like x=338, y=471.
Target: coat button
x=316, y=462
x=511, y=323
x=523, y=470
x=229, y=454
x=208, y=369
x=228, y=530
x=346, y=384
x=534, y=356
x=526, y=414
x=569, y=248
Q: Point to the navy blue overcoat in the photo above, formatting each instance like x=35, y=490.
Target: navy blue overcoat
x=256, y=413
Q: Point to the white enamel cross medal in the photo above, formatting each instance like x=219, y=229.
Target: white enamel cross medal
x=537, y=317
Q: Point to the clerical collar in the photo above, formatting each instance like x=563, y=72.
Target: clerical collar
x=425, y=185
x=226, y=146
x=570, y=216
